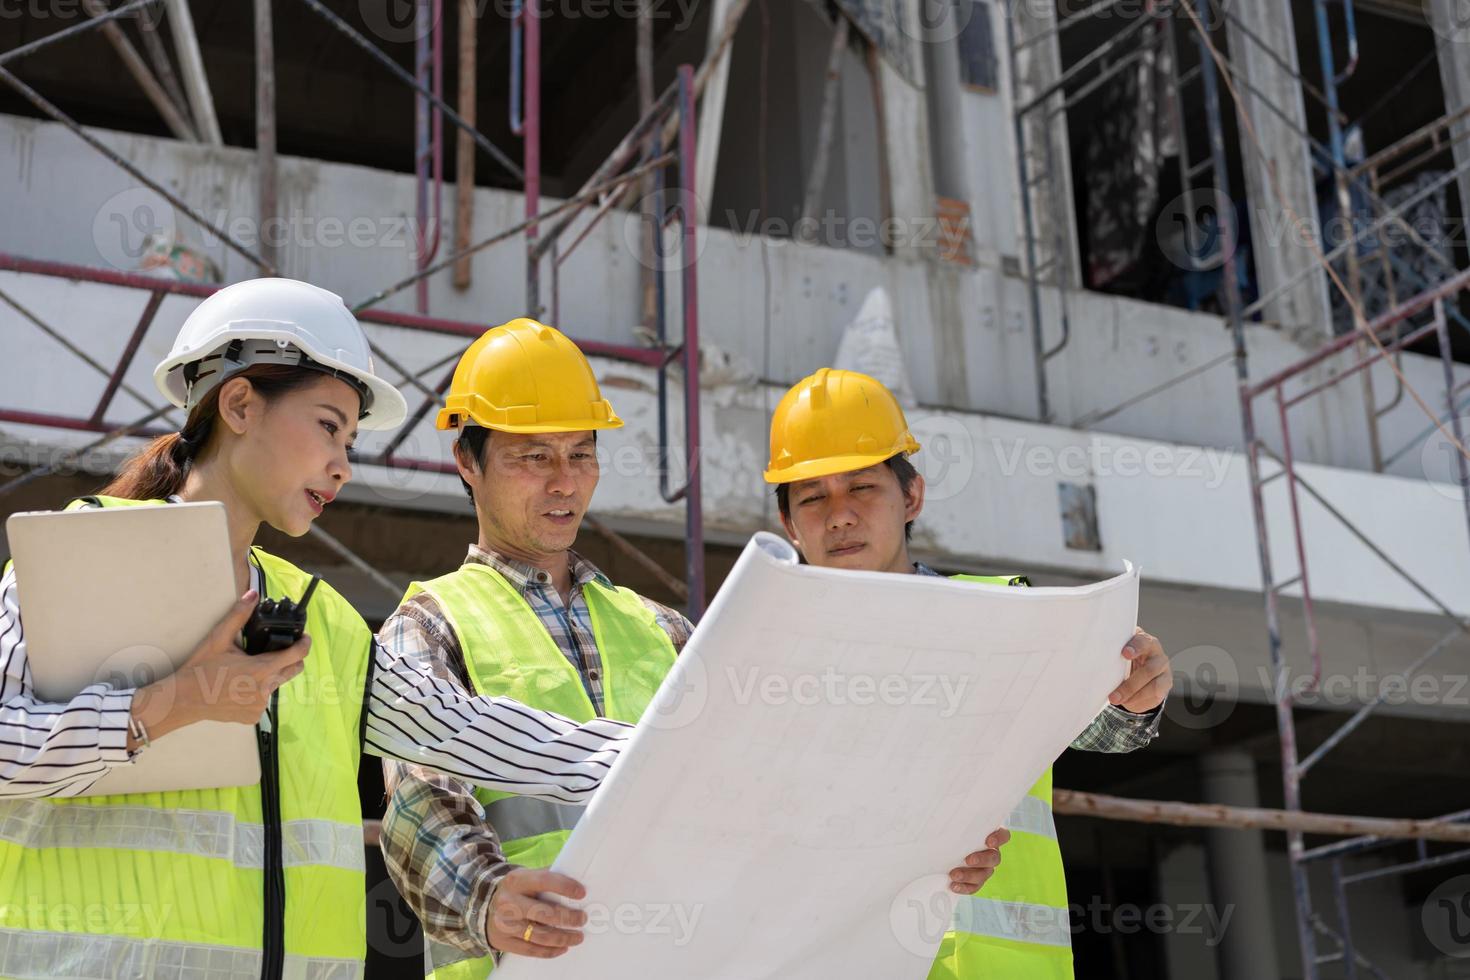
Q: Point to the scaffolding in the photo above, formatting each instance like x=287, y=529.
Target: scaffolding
x=1412, y=307
x=662, y=138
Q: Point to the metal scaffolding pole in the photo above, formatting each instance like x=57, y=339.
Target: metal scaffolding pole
x=1282, y=698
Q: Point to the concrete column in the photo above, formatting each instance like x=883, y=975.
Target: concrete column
x=1279, y=251
x=911, y=150
x=909, y=144
x=946, y=113
x=1054, y=218
x=1452, y=31
x=1237, y=862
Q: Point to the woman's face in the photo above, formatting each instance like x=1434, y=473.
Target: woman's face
x=291, y=457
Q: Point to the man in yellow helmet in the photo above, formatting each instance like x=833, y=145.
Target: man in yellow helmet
x=848, y=497
x=528, y=618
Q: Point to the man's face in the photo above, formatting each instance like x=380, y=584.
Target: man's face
x=854, y=520
x=533, y=490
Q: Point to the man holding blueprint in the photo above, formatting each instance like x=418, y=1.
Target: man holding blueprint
x=848, y=497
x=524, y=615
x=828, y=730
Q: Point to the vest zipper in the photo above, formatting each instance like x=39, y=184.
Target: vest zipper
x=273, y=939
x=273, y=942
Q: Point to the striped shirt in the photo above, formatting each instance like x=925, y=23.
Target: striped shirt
x=61, y=749
x=442, y=854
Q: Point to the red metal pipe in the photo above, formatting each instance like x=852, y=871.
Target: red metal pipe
x=1301, y=544
x=65, y=422
x=108, y=277
x=689, y=250
x=408, y=321
x=1403, y=311
x=155, y=300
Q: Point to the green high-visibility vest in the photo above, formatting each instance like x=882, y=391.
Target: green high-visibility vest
x=509, y=653
x=179, y=883
x=1017, y=927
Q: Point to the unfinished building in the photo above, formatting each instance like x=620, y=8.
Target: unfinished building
x=1177, y=282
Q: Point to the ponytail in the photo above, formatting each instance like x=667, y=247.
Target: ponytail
x=160, y=469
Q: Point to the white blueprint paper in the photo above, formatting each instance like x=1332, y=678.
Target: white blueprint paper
x=829, y=744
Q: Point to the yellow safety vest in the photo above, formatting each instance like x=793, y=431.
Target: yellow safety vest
x=230, y=884
x=1017, y=927
x=509, y=653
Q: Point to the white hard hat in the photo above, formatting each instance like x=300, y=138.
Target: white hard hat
x=275, y=321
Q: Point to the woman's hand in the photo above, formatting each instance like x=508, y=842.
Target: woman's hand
x=219, y=681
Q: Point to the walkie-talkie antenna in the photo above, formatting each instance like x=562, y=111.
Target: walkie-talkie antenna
x=306, y=596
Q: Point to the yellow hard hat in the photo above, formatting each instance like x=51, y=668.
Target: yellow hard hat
x=524, y=376
x=835, y=422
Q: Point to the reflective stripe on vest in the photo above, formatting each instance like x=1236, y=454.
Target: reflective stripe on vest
x=170, y=884
x=1032, y=816
x=201, y=833
x=525, y=816
x=78, y=956
x=1018, y=925
x=1019, y=922
x=509, y=653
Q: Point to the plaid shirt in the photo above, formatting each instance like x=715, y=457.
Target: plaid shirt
x=440, y=851
x=1115, y=729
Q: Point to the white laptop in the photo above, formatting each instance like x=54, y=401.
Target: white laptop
x=123, y=595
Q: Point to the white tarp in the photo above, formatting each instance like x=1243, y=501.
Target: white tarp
x=829, y=744
x=870, y=345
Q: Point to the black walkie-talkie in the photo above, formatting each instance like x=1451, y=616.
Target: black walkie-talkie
x=277, y=623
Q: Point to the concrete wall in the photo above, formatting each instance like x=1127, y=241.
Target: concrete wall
x=1181, y=511
x=965, y=333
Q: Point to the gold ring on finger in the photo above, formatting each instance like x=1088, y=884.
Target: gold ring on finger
x=526, y=936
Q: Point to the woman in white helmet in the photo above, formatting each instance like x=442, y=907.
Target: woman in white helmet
x=264, y=880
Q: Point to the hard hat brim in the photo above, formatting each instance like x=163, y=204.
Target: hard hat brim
x=451, y=420
x=830, y=466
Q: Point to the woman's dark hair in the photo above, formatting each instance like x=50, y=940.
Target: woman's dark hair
x=159, y=469
x=901, y=468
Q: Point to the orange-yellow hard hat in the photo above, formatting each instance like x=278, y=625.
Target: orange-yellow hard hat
x=524, y=376
x=835, y=422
